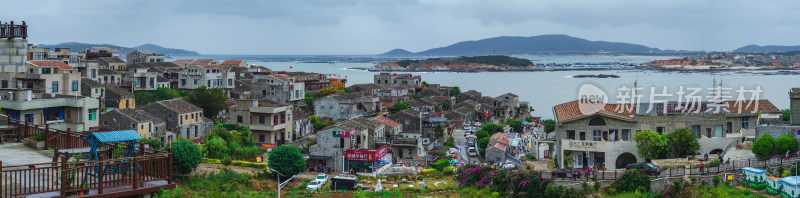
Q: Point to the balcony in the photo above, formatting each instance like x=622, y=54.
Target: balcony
x=35, y=103
x=266, y=127
x=269, y=110
x=405, y=142
x=14, y=31
x=27, y=76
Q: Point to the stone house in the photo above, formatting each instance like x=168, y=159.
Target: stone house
x=391, y=128
x=390, y=79
x=340, y=107
x=210, y=76
x=112, y=63
x=92, y=89
x=409, y=118
x=147, y=125
x=182, y=118
x=54, y=77
x=144, y=56
x=468, y=95
x=270, y=123
x=108, y=76
x=116, y=97
x=497, y=149
x=280, y=88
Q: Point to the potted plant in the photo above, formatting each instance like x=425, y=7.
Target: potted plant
x=35, y=142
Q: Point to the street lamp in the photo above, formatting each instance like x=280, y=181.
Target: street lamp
x=279, y=180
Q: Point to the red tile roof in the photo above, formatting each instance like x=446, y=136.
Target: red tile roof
x=231, y=62
x=498, y=138
x=183, y=61
x=749, y=106
x=386, y=121
x=58, y=64
x=202, y=61
x=570, y=110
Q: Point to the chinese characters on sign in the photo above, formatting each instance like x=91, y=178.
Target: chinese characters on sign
x=365, y=155
x=341, y=133
x=582, y=144
x=687, y=100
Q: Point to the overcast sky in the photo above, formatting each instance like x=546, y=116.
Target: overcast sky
x=377, y=26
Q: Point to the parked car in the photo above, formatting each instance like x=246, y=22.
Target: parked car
x=322, y=178
x=466, y=127
x=477, y=124
x=344, y=183
x=471, y=144
x=314, y=185
x=466, y=133
x=646, y=167
x=562, y=173
x=472, y=152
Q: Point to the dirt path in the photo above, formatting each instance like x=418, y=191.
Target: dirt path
x=205, y=168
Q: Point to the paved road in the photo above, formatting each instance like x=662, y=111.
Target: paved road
x=461, y=142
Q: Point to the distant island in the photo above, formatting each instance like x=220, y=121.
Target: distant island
x=766, y=49
x=464, y=64
x=596, y=76
x=75, y=46
x=543, y=44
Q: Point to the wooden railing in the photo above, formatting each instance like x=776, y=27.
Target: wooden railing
x=68, y=177
x=14, y=31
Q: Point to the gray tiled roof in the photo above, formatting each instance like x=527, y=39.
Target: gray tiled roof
x=178, y=105
x=139, y=115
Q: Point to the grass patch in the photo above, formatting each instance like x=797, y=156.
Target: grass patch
x=226, y=183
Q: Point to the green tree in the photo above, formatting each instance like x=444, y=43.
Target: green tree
x=763, y=147
x=446, y=105
x=786, y=143
x=143, y=97
x=211, y=100
x=549, y=125
x=436, y=107
x=683, y=142
x=328, y=91
x=455, y=90
x=787, y=113
x=185, y=156
x=309, y=98
x=399, y=107
x=492, y=128
x=480, y=134
x=216, y=148
x=153, y=142
x=651, y=145
x=287, y=160
x=418, y=96
x=482, y=144
x=425, y=83
x=438, y=131
x=514, y=124
x=163, y=93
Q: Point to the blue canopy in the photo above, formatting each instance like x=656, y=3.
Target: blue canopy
x=115, y=136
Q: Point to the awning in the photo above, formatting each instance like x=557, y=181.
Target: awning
x=319, y=157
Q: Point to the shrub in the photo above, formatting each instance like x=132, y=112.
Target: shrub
x=785, y=144
x=429, y=171
x=716, y=180
x=763, y=147
x=153, y=142
x=287, y=160
x=631, y=180
x=211, y=161
x=186, y=156
x=448, y=171
x=506, y=182
x=440, y=165
x=39, y=136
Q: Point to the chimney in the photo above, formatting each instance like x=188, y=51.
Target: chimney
x=794, y=105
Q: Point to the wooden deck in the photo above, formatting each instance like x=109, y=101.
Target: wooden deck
x=145, y=172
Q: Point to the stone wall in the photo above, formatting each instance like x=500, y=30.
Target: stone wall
x=13, y=54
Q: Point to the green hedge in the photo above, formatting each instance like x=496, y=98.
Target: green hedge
x=237, y=163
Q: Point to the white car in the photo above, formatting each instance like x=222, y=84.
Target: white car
x=322, y=178
x=477, y=124
x=466, y=127
x=313, y=185
x=472, y=152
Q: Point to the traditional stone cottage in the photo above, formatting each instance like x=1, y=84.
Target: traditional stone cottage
x=142, y=122
x=182, y=117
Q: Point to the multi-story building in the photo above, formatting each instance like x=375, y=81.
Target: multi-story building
x=144, y=56
x=603, y=139
x=211, y=76
x=13, y=47
x=184, y=63
x=346, y=106
x=58, y=54
x=54, y=77
x=391, y=79
x=97, y=52
x=183, y=118
x=112, y=63
x=142, y=122
x=271, y=124
x=62, y=112
x=280, y=88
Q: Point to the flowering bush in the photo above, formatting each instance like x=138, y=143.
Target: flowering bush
x=631, y=180
x=503, y=181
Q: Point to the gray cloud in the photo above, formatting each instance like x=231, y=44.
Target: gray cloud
x=370, y=27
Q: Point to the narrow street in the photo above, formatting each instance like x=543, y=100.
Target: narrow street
x=461, y=142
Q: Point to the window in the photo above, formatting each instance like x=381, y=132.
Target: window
x=230, y=82
x=5, y=84
x=626, y=134
x=94, y=75
x=745, y=122
x=183, y=82
x=239, y=119
x=696, y=130
x=141, y=126
x=55, y=86
x=275, y=119
x=570, y=135
x=660, y=130
x=93, y=114
x=74, y=85
x=262, y=119
x=583, y=135
x=283, y=118
x=261, y=138
x=596, y=135
x=196, y=81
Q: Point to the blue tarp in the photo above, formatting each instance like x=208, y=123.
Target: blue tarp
x=115, y=136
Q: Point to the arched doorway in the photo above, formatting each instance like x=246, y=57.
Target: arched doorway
x=716, y=151
x=625, y=159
